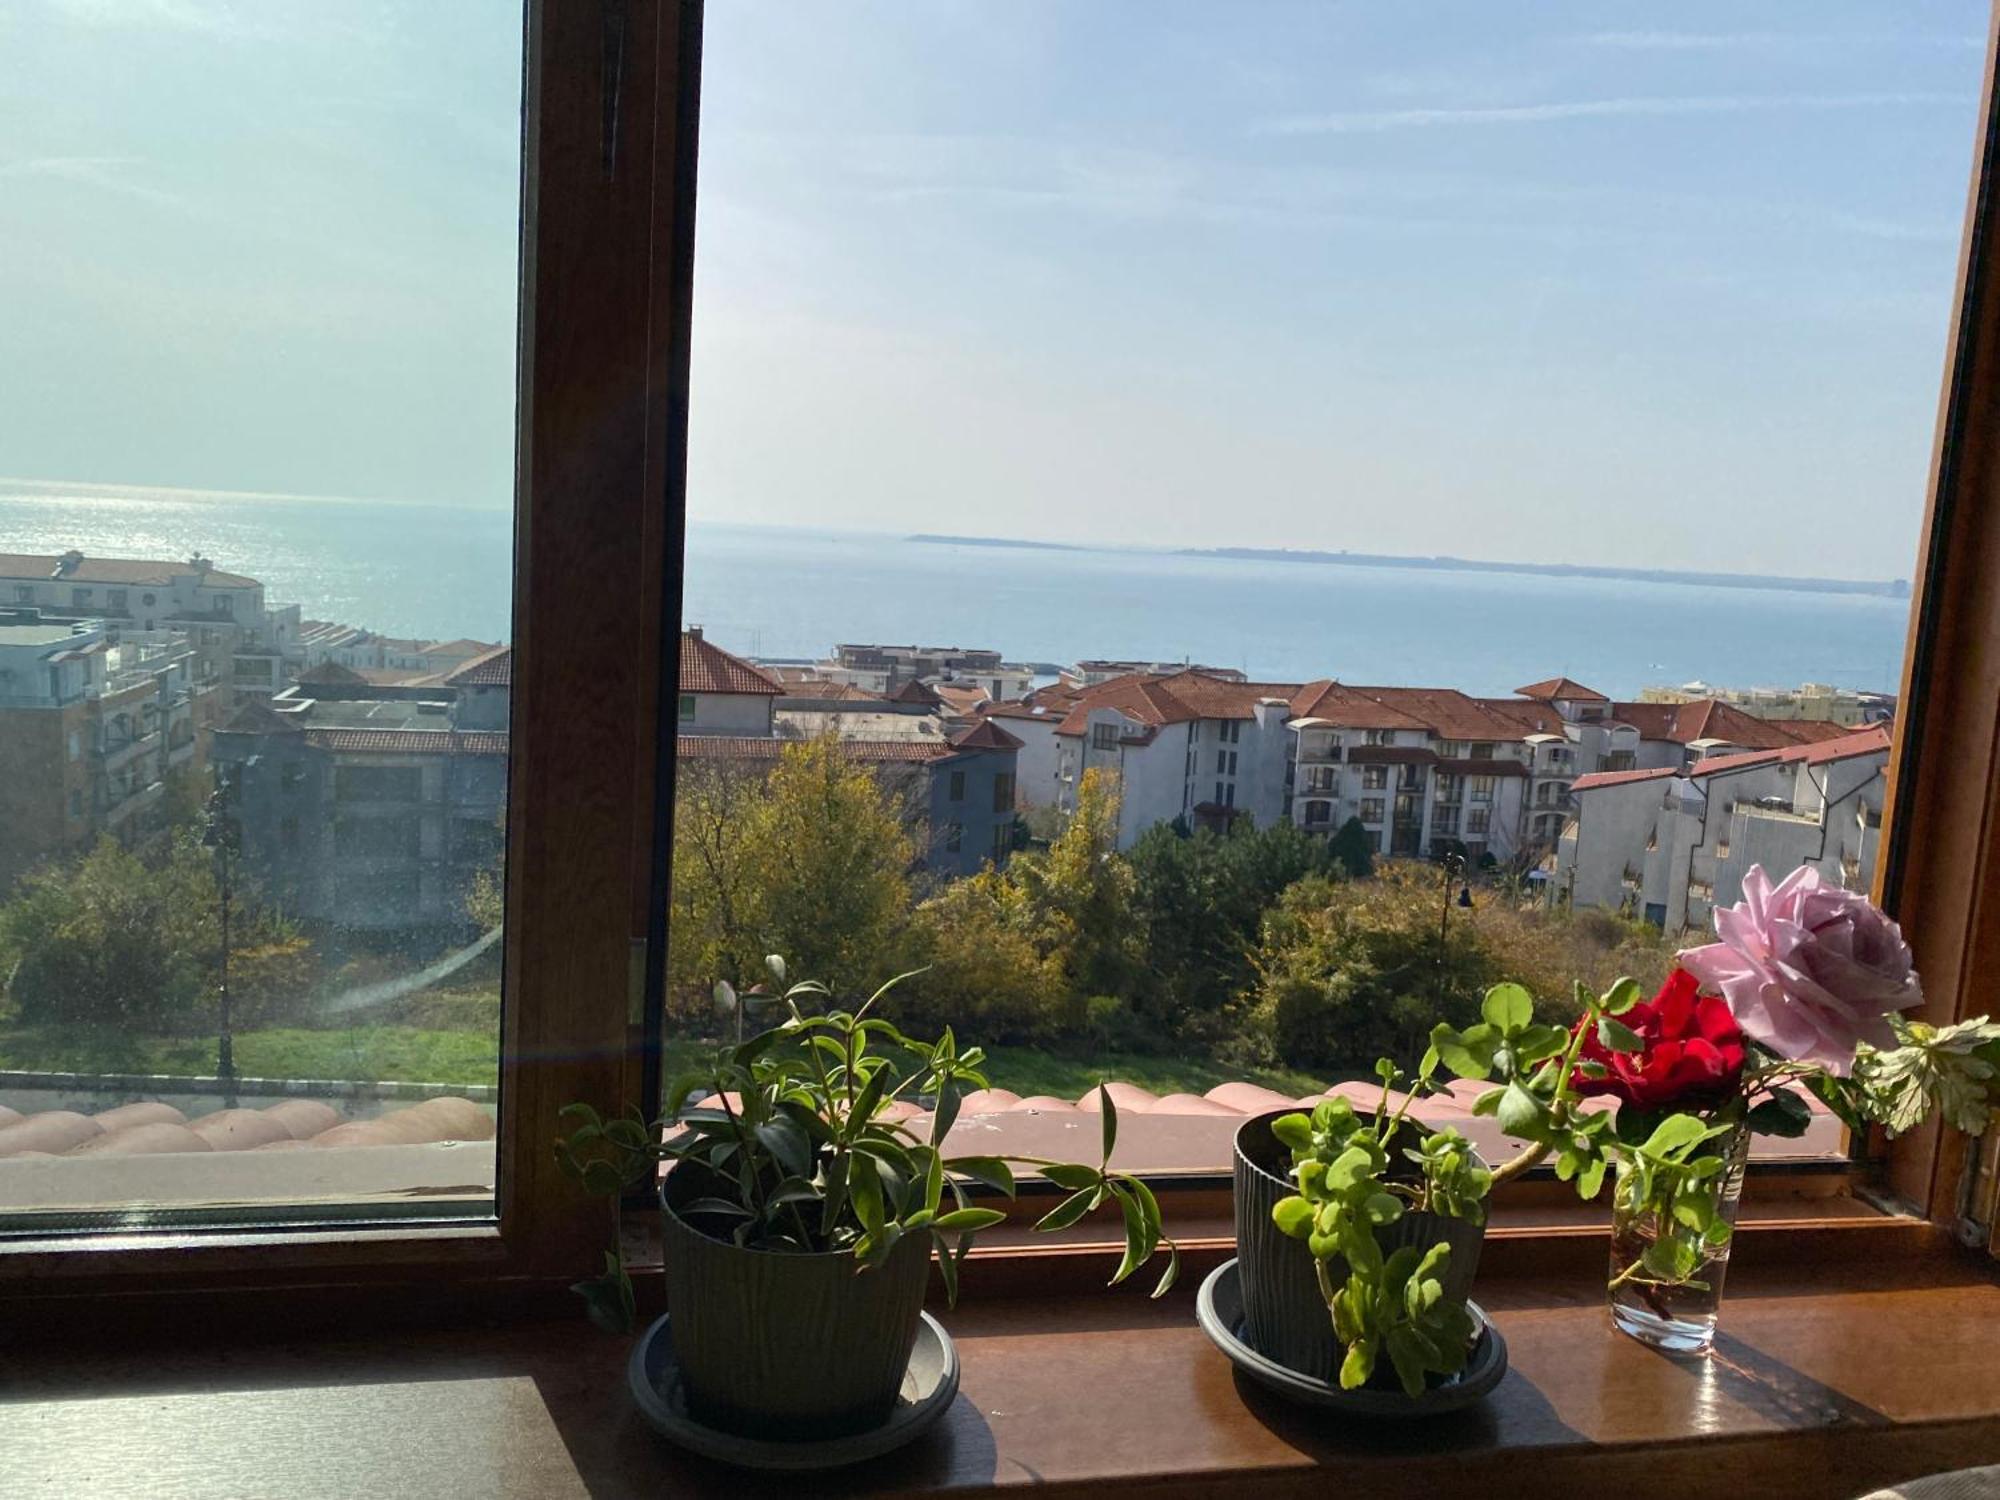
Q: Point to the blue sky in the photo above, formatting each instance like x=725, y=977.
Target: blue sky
x=1621, y=283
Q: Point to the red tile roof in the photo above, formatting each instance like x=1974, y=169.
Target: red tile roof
x=985, y=735
x=1873, y=741
x=1155, y=701
x=1562, y=689
x=707, y=668
x=152, y=1129
x=494, y=669
x=37, y=567
x=1714, y=719
x=1619, y=778
x=253, y=716
x=410, y=741
x=750, y=747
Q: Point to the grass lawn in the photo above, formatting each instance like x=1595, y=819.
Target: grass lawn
x=1032, y=1070
x=420, y=1055
x=368, y=1053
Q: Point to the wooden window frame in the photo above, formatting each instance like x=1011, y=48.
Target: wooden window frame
x=611, y=115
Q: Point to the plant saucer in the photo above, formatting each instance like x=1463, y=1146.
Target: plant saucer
x=1219, y=1307
x=930, y=1384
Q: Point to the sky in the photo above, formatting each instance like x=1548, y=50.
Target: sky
x=1629, y=284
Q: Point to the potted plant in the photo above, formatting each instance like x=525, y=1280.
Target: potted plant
x=802, y=1216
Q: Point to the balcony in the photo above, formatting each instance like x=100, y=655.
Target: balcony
x=123, y=752
x=132, y=803
x=1319, y=750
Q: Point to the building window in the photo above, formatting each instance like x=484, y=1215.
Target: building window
x=114, y=599
x=381, y=838
x=957, y=791
x=954, y=837
x=1444, y=820
x=1003, y=792
x=80, y=598
x=1232, y=731
x=147, y=600
x=377, y=783
x=1482, y=750
x=1450, y=749
x=687, y=707
x=24, y=593
x=1482, y=789
x=1374, y=778
x=1477, y=820
x=1378, y=737
x=1449, y=784
x=1371, y=809
x=1104, y=736
x=1318, y=813
x=225, y=605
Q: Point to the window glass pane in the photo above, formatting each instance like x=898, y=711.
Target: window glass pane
x=255, y=580
x=1504, y=430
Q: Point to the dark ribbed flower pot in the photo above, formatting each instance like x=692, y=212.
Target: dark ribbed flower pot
x=1285, y=1317
x=772, y=1345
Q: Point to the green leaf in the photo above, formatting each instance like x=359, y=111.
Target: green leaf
x=1353, y=1164
x=1520, y=1113
x=864, y=1186
x=1293, y=1216
x=1382, y=1208
x=1489, y=1102
x=1616, y=1036
x=1539, y=1042
x=1358, y=1365
x=968, y=1220
x=787, y=1144
x=1468, y=1053
x=1067, y=1212
x=1590, y=1180
x=1675, y=1133
x=1621, y=997
x=947, y=1265
x=1072, y=1176
x=1295, y=1131
x=1406, y=1353
x=1110, y=1124
x=990, y=1170
x=1172, y=1273
x=1508, y=1008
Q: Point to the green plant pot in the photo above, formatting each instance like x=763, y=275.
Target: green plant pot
x=780, y=1346
x=1284, y=1316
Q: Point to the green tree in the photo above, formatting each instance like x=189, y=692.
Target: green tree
x=113, y=943
x=1354, y=850
x=821, y=873
x=1077, y=898
x=1200, y=899
x=1348, y=971
x=985, y=973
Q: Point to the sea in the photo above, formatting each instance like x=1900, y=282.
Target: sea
x=444, y=572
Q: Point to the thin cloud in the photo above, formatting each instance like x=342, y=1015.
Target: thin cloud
x=1372, y=122
x=1764, y=41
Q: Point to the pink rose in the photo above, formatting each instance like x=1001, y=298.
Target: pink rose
x=1808, y=969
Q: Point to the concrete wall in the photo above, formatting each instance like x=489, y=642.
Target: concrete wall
x=729, y=713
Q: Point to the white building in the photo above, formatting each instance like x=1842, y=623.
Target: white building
x=884, y=669
x=1670, y=844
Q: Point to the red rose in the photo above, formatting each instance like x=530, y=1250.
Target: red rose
x=1693, y=1051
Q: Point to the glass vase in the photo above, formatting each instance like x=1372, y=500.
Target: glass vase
x=1671, y=1300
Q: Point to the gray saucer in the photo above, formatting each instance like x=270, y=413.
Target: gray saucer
x=929, y=1387
x=1219, y=1307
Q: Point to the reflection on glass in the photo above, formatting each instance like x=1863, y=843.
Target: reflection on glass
x=255, y=572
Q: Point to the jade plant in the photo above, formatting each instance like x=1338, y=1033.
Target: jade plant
x=792, y=1130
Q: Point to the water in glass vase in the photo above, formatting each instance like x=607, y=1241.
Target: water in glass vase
x=1670, y=1250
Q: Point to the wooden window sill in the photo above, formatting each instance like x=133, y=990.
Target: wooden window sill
x=1828, y=1380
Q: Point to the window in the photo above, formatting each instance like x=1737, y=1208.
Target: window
x=1478, y=821
x=291, y=722
x=1482, y=788
x=1371, y=809
x=1104, y=736
x=1003, y=792
x=364, y=783
x=1449, y=749
x=1229, y=795
x=957, y=792
x=1218, y=793
x=1318, y=813
x=1482, y=750
x=1232, y=731
x=1374, y=778
x=1449, y=786
x=1379, y=737
x=954, y=837
x=687, y=707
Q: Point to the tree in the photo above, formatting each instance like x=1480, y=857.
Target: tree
x=711, y=934
x=1077, y=898
x=1199, y=900
x=984, y=971
x=1348, y=971
x=821, y=874
x=1354, y=850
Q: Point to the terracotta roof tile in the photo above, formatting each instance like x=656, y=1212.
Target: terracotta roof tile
x=153, y=1129
x=1562, y=689
x=494, y=669
x=39, y=567
x=410, y=741
x=707, y=668
x=985, y=735
x=1619, y=778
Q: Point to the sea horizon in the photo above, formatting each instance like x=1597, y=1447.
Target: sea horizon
x=409, y=568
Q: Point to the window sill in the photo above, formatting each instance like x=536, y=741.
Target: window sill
x=1827, y=1381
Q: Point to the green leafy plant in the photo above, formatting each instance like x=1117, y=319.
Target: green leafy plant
x=792, y=1132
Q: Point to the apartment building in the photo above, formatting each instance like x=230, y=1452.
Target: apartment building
x=236, y=638
x=372, y=807
x=90, y=731
x=1670, y=844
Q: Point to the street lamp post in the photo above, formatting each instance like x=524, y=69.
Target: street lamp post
x=1454, y=874
x=220, y=833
